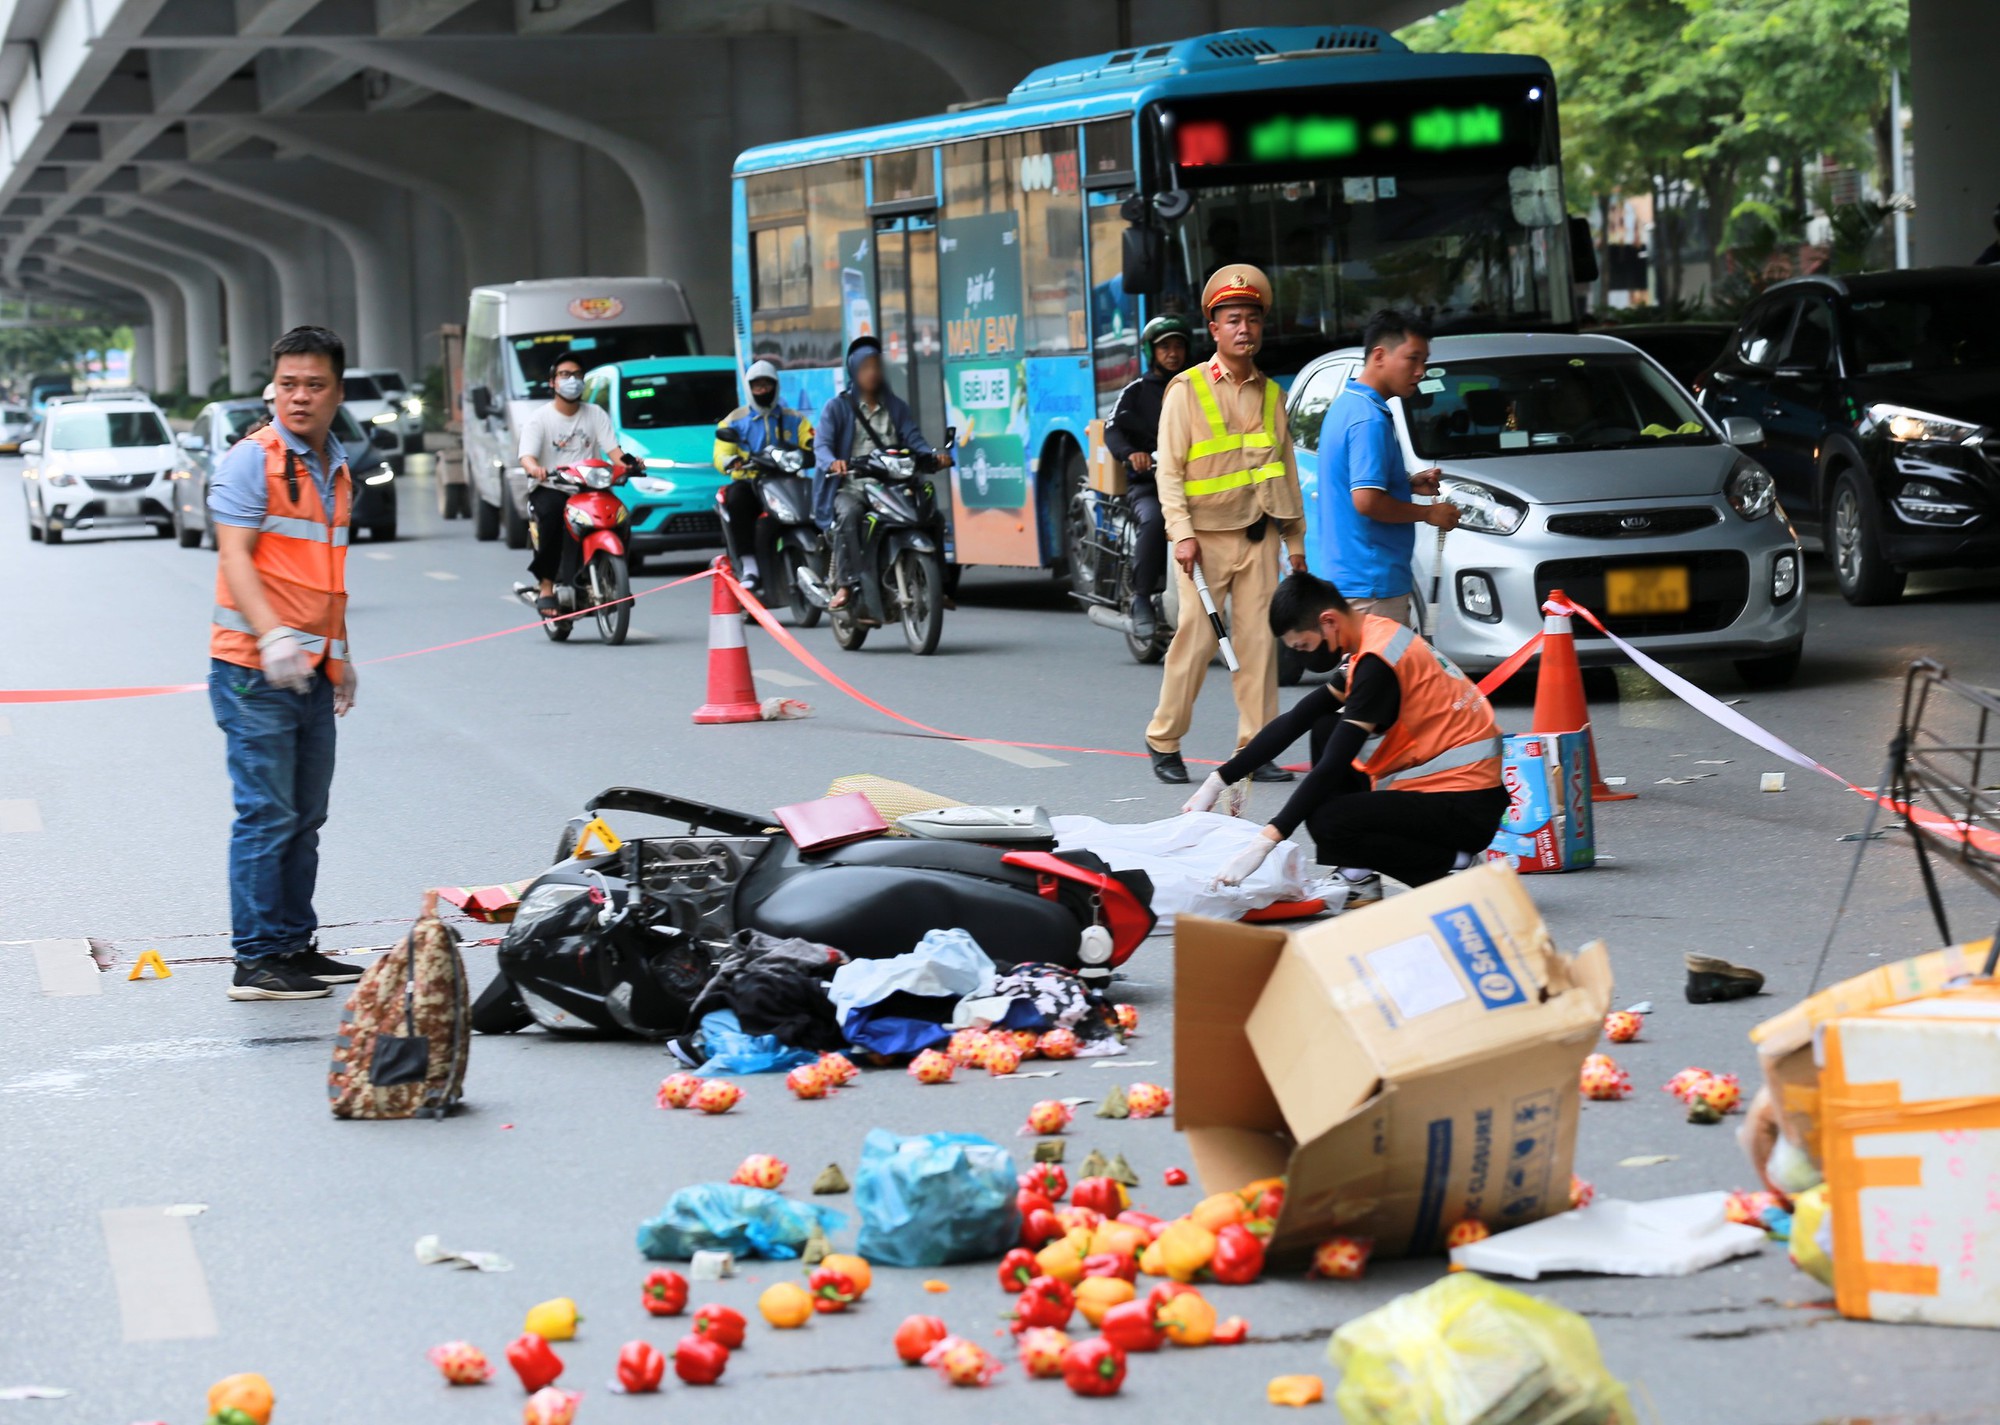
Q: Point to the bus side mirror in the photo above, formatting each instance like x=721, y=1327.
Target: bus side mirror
x=1582, y=252
x=1145, y=264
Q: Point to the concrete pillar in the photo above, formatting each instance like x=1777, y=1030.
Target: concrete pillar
x=143, y=366
x=1955, y=111
x=163, y=300
x=201, y=301
x=293, y=248
x=246, y=283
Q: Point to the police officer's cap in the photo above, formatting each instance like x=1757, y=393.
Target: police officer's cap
x=1237, y=283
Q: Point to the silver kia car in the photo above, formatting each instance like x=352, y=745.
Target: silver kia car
x=1577, y=463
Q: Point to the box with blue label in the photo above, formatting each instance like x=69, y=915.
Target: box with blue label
x=1548, y=822
x=1405, y=1066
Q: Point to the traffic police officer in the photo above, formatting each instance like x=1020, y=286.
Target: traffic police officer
x=1230, y=492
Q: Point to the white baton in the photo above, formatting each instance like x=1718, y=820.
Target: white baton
x=1215, y=619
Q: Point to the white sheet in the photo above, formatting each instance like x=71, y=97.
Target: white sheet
x=1183, y=854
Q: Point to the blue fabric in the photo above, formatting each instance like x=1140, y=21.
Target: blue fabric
x=280, y=755
x=753, y=431
x=237, y=491
x=733, y=1050
x=728, y=1217
x=833, y=432
x=891, y=1034
x=1365, y=558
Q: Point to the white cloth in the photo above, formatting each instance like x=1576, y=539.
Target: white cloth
x=557, y=440
x=1183, y=854
x=946, y=963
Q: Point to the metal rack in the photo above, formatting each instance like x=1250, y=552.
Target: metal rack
x=1945, y=761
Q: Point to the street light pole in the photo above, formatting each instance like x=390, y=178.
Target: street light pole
x=1897, y=178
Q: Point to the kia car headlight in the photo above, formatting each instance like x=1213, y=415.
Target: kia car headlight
x=1481, y=508
x=1903, y=424
x=383, y=418
x=1750, y=490
x=413, y=405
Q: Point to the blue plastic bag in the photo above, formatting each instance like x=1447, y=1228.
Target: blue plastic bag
x=751, y=1222
x=731, y=1051
x=935, y=1199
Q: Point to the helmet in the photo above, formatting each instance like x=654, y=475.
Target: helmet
x=1165, y=327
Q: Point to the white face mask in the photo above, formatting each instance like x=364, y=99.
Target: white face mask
x=569, y=387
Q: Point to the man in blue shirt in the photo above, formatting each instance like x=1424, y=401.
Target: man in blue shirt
x=1366, y=510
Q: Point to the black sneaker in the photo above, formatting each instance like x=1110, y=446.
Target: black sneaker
x=326, y=969
x=276, y=977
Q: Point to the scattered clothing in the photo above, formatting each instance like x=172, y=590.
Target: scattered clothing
x=778, y=988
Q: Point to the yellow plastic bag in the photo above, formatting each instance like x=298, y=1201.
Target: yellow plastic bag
x=1809, y=1215
x=1466, y=1352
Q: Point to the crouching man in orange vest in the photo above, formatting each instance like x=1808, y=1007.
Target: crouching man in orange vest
x=1405, y=777
x=279, y=666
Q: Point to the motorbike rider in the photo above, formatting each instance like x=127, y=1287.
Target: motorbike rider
x=561, y=433
x=763, y=424
x=1130, y=435
x=865, y=417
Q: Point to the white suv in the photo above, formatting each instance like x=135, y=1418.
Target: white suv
x=96, y=462
x=378, y=399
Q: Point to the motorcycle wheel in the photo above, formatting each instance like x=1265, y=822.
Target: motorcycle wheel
x=558, y=629
x=849, y=634
x=1081, y=546
x=920, y=579
x=611, y=585
x=805, y=613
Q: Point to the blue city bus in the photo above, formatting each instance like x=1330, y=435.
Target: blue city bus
x=1007, y=254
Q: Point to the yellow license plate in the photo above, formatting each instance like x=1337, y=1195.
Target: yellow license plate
x=1646, y=591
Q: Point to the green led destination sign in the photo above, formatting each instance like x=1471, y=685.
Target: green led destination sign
x=1283, y=138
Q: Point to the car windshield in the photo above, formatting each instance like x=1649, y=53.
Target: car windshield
x=676, y=398
x=391, y=382
x=241, y=418
x=1926, y=331
x=1520, y=405
x=108, y=430
x=361, y=388
x=534, y=355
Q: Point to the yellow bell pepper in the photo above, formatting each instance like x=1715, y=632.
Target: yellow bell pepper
x=1224, y=1209
x=1063, y=1258
x=1097, y=1295
x=1119, y=1237
x=1185, y=1248
x=786, y=1305
x=1152, y=1261
x=1188, y=1319
x=553, y=1320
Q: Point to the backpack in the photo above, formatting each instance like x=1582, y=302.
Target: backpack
x=401, y=1048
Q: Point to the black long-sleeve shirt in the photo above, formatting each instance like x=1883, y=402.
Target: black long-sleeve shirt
x=1134, y=423
x=1373, y=697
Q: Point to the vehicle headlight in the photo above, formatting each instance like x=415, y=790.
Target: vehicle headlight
x=59, y=478
x=382, y=476
x=1481, y=508
x=544, y=900
x=791, y=461
x=383, y=418
x=1902, y=423
x=413, y=405
x=1750, y=490
x=1932, y=502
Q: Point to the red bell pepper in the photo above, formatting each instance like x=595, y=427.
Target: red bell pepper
x=831, y=1290
x=1239, y=1256
x=700, y=1360
x=666, y=1293
x=1027, y=1200
x=917, y=1335
x=1044, y=1302
x=720, y=1324
x=1017, y=1269
x=640, y=1368
x=1129, y=1326
x=1038, y=1229
x=1105, y=1195
x=1094, y=1367
x=1153, y=1226
x=1048, y=1179
x=1175, y=1177
x=1233, y=1332
x=533, y=1361
x=1112, y=1264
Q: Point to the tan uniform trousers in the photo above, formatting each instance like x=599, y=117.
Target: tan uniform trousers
x=1242, y=575
x=1397, y=608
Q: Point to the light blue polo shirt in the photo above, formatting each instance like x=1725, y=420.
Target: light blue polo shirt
x=237, y=492
x=1365, y=558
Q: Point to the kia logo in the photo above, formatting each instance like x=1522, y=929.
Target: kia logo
x=1636, y=522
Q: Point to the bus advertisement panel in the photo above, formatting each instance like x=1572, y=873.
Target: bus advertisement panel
x=987, y=249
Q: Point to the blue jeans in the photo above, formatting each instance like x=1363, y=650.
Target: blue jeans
x=281, y=767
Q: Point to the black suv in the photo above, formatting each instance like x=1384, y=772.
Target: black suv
x=1877, y=394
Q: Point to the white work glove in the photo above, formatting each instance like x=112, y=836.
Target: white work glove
x=1206, y=795
x=1243, y=865
x=286, y=666
x=343, y=690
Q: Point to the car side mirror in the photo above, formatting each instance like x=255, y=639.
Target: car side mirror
x=31, y=447
x=191, y=441
x=1145, y=265
x=1582, y=251
x=1742, y=431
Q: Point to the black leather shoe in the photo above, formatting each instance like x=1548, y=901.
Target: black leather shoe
x=1168, y=766
x=1711, y=980
x=1270, y=772
x=1144, y=625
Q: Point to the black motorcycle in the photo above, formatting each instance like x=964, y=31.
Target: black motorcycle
x=902, y=574
x=799, y=578
x=1104, y=549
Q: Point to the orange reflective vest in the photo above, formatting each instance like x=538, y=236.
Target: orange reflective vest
x=1444, y=738
x=301, y=558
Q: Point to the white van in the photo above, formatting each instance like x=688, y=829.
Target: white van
x=513, y=332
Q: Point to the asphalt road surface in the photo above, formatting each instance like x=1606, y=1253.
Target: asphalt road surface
x=459, y=766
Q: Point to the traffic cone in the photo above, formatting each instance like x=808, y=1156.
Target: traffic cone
x=1559, y=701
x=732, y=694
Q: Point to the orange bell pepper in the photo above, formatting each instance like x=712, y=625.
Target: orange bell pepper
x=248, y=1392
x=1119, y=1237
x=1295, y=1390
x=1188, y=1319
x=856, y=1269
x=1224, y=1209
x=1097, y=1295
x=1063, y=1258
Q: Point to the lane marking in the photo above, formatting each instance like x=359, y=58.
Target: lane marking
x=376, y=554
x=66, y=967
x=162, y=1290
x=1019, y=756
x=6, y=726
x=441, y=575
x=19, y=814
x=781, y=678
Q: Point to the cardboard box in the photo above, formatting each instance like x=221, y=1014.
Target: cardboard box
x=1107, y=476
x=1404, y=1066
x=1786, y=1042
x=1911, y=1127
x=1548, y=825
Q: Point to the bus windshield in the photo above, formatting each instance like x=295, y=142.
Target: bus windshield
x=534, y=355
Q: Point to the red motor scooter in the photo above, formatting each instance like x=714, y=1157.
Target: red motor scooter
x=595, y=518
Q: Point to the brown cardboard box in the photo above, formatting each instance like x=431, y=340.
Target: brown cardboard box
x=1107, y=476
x=1404, y=1066
x=1785, y=1041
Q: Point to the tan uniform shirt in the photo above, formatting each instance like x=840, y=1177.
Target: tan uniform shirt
x=1182, y=424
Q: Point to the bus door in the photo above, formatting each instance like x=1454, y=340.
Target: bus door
x=906, y=301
